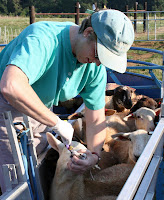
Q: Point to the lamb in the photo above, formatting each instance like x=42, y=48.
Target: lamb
x=125, y=98
x=95, y=183
x=119, y=98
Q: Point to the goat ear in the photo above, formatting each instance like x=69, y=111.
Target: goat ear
x=54, y=142
x=121, y=136
x=109, y=112
x=109, y=92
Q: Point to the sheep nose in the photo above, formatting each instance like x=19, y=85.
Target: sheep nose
x=128, y=104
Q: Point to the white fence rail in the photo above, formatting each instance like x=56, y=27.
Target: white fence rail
x=148, y=25
x=7, y=34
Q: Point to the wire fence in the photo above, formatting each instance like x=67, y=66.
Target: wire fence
x=7, y=34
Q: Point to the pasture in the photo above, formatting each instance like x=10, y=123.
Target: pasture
x=10, y=27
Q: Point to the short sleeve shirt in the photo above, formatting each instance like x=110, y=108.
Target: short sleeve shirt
x=43, y=52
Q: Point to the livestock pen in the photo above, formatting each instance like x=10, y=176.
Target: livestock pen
x=147, y=178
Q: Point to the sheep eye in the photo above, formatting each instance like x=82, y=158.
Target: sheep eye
x=138, y=116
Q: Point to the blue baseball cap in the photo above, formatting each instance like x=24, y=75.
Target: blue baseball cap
x=115, y=35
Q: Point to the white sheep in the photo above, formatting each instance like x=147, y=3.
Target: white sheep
x=95, y=183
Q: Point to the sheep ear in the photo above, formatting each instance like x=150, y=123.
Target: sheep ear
x=75, y=116
x=132, y=89
x=111, y=86
x=157, y=111
x=158, y=100
x=109, y=92
x=109, y=112
x=54, y=142
x=121, y=136
x=128, y=117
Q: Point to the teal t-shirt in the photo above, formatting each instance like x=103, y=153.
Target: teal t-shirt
x=43, y=52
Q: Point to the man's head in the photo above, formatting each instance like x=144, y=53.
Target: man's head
x=114, y=36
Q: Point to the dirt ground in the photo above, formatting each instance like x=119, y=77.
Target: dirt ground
x=148, y=55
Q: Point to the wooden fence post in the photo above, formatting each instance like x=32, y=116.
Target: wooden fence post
x=126, y=10
x=77, y=10
x=32, y=14
x=144, y=21
x=135, y=16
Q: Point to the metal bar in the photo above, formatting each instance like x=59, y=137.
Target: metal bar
x=148, y=40
x=14, y=146
x=15, y=150
x=155, y=78
x=131, y=185
x=149, y=196
x=138, y=11
x=155, y=27
x=20, y=192
x=146, y=49
x=148, y=26
x=146, y=67
x=112, y=75
x=160, y=183
x=3, y=45
x=7, y=177
x=144, y=87
x=34, y=157
x=61, y=14
x=148, y=177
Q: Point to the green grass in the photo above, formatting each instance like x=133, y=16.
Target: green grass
x=147, y=57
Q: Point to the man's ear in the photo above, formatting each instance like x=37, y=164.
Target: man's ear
x=88, y=31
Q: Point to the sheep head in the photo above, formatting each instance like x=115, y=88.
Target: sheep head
x=121, y=97
x=137, y=142
x=144, y=118
x=145, y=102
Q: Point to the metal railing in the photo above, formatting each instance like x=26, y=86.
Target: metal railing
x=149, y=25
x=147, y=177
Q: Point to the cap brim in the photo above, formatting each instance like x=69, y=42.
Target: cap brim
x=111, y=60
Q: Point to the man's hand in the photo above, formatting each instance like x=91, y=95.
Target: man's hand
x=79, y=165
x=64, y=130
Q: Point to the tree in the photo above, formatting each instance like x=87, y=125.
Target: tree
x=17, y=7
